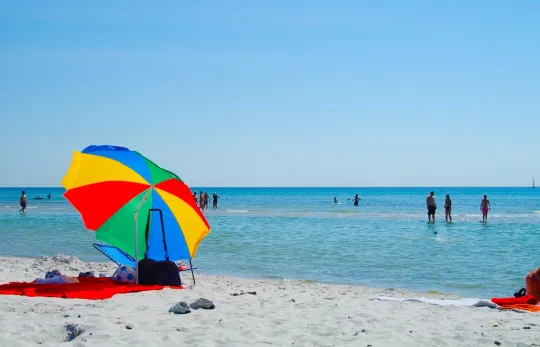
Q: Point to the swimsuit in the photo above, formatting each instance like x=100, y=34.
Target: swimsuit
x=431, y=209
x=484, y=210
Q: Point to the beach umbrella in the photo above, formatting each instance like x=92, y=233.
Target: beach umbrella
x=116, y=190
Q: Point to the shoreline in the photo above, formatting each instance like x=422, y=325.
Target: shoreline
x=280, y=313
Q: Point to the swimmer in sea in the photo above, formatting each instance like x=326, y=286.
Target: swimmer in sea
x=23, y=201
x=215, y=198
x=335, y=200
x=431, y=207
x=356, y=200
x=448, y=208
x=201, y=200
x=206, y=198
x=195, y=197
x=485, y=206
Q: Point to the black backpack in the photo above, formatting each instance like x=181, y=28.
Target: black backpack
x=165, y=272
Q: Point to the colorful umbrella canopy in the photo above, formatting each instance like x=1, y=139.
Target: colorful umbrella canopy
x=107, y=184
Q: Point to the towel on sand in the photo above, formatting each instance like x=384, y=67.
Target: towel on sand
x=440, y=302
x=527, y=303
x=86, y=288
x=526, y=299
x=523, y=305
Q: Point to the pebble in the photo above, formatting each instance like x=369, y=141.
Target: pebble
x=129, y=326
x=497, y=343
x=73, y=331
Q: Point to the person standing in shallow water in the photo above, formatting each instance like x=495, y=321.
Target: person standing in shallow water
x=356, y=200
x=215, y=198
x=201, y=200
x=448, y=208
x=23, y=201
x=431, y=207
x=485, y=206
x=206, y=198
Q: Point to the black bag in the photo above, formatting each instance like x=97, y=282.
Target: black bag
x=146, y=270
x=165, y=272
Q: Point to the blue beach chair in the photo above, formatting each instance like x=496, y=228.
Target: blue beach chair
x=119, y=257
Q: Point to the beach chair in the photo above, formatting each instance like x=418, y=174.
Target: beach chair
x=119, y=257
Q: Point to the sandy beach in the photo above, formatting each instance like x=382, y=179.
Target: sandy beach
x=282, y=313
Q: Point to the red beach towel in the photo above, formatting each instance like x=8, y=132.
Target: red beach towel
x=87, y=288
x=524, y=300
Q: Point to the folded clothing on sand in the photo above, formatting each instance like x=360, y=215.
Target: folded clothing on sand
x=56, y=280
x=86, y=288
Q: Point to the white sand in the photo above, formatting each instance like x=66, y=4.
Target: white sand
x=283, y=313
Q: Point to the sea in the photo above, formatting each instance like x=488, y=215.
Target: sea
x=300, y=234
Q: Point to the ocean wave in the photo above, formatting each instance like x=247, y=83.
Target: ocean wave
x=237, y=211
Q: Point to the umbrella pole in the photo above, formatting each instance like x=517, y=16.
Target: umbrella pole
x=137, y=233
x=192, y=274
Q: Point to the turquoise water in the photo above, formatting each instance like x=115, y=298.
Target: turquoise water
x=299, y=233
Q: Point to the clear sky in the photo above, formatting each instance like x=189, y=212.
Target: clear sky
x=275, y=93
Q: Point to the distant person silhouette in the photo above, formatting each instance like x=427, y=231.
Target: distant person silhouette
x=431, y=206
x=485, y=206
x=448, y=208
x=23, y=201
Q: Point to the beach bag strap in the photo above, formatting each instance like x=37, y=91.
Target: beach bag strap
x=147, y=232
x=520, y=293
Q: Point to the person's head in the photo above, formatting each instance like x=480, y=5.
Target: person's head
x=447, y=196
x=485, y=196
x=23, y=192
x=431, y=193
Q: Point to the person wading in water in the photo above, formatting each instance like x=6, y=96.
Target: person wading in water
x=431, y=207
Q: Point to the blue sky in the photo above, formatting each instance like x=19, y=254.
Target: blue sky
x=275, y=93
